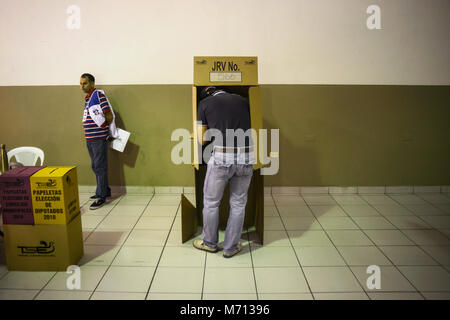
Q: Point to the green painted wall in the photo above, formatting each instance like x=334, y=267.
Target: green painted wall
x=329, y=134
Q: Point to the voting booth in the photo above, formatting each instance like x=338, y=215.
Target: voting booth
x=235, y=75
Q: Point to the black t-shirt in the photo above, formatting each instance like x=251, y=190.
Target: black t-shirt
x=226, y=111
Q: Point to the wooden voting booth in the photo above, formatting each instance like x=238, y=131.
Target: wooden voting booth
x=236, y=75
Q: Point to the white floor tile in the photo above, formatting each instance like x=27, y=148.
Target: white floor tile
x=91, y=222
x=177, y=280
x=388, y=237
x=337, y=223
x=86, y=233
x=271, y=211
x=378, y=199
x=438, y=222
x=280, y=280
x=25, y=280
x=272, y=239
x=436, y=198
x=98, y=255
x=395, y=296
x=229, y=296
x=390, y=279
x=408, y=222
x=331, y=279
x=424, y=209
x=155, y=223
x=363, y=256
x=126, y=279
x=273, y=223
x=341, y=296
x=118, y=222
x=360, y=211
x=297, y=211
x=319, y=256
x=407, y=255
x=349, y=238
x=138, y=256
x=429, y=278
x=440, y=253
x=134, y=199
x=127, y=210
x=285, y=296
x=327, y=211
x=373, y=223
x=427, y=237
x=300, y=223
x=174, y=296
x=408, y=199
x=319, y=199
x=274, y=257
x=160, y=211
x=114, y=237
x=90, y=277
x=306, y=238
x=98, y=295
x=14, y=294
x=165, y=200
x=182, y=257
x=392, y=210
x=348, y=199
x=147, y=238
x=436, y=295
x=229, y=280
x=63, y=295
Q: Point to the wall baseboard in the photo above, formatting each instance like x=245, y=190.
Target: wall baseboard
x=281, y=190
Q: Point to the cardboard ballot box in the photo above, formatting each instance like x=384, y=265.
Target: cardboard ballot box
x=236, y=75
x=15, y=195
x=54, y=192
x=43, y=247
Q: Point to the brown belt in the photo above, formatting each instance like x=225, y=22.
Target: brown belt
x=229, y=150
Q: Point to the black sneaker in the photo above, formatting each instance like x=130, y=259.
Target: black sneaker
x=95, y=197
x=97, y=204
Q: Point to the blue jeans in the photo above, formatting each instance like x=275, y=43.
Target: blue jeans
x=98, y=151
x=217, y=177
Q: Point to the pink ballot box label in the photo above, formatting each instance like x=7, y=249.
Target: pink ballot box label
x=15, y=195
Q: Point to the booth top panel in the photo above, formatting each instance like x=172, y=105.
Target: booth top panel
x=225, y=71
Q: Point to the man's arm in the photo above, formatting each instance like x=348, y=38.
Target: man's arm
x=202, y=124
x=201, y=129
x=106, y=108
x=108, y=117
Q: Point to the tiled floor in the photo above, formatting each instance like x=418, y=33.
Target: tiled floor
x=317, y=246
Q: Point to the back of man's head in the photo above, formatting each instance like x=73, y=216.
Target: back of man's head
x=89, y=76
x=207, y=92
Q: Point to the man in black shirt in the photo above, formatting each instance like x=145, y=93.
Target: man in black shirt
x=228, y=115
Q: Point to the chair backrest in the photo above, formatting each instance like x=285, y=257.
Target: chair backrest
x=27, y=156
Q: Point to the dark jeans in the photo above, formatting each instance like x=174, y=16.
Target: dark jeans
x=98, y=151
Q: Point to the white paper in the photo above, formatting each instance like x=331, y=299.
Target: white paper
x=120, y=143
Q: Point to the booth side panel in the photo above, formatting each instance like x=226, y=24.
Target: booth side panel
x=189, y=220
x=259, y=205
x=254, y=96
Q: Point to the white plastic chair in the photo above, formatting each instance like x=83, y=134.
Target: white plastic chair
x=27, y=156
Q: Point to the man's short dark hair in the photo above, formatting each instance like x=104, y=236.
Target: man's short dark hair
x=206, y=92
x=89, y=76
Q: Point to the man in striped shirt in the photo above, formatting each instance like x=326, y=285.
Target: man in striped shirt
x=96, y=135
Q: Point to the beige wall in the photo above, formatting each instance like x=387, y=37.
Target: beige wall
x=329, y=135
x=154, y=41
